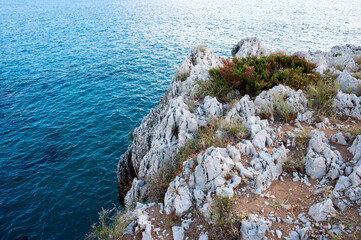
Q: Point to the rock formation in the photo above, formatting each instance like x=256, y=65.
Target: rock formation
x=251, y=169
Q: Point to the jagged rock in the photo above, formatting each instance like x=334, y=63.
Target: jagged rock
x=266, y=102
x=355, y=176
x=348, y=83
x=340, y=56
x=268, y=167
x=305, y=117
x=247, y=147
x=203, y=237
x=242, y=110
x=146, y=227
x=178, y=197
x=167, y=126
x=196, y=65
x=320, y=211
x=260, y=133
x=250, y=46
x=136, y=193
x=225, y=192
x=178, y=233
x=279, y=234
x=342, y=183
x=254, y=228
x=338, y=138
x=354, y=194
x=347, y=105
x=259, y=140
x=355, y=148
x=320, y=159
x=213, y=167
x=212, y=107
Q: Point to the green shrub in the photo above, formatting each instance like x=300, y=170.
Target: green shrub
x=182, y=76
x=252, y=75
x=235, y=130
x=281, y=111
x=337, y=54
x=111, y=225
x=295, y=159
x=201, y=48
x=225, y=223
x=215, y=87
x=320, y=97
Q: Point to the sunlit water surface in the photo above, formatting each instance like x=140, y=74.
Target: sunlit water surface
x=77, y=76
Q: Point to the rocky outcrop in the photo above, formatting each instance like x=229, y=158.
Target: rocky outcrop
x=348, y=105
x=250, y=46
x=166, y=127
x=245, y=168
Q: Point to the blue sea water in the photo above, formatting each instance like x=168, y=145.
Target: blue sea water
x=77, y=76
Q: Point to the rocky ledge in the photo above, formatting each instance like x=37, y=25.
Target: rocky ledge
x=294, y=180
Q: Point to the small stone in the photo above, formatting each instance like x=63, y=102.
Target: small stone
x=279, y=233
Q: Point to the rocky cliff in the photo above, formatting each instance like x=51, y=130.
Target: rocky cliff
x=297, y=179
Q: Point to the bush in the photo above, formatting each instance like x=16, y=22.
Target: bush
x=225, y=223
x=320, y=96
x=182, y=76
x=295, y=160
x=216, y=87
x=111, y=225
x=252, y=75
x=281, y=111
x=235, y=130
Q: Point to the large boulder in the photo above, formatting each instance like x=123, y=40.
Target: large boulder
x=320, y=211
x=250, y=47
x=347, y=105
x=267, y=102
x=348, y=83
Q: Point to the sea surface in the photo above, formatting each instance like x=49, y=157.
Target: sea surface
x=77, y=76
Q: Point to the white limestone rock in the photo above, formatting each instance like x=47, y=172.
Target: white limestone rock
x=146, y=226
x=320, y=159
x=342, y=183
x=178, y=232
x=242, y=110
x=305, y=117
x=136, y=193
x=246, y=147
x=347, y=105
x=250, y=46
x=254, y=228
x=268, y=167
x=212, y=107
x=268, y=102
x=196, y=65
x=348, y=83
x=354, y=194
x=178, y=197
x=355, y=176
x=320, y=211
x=355, y=148
x=338, y=138
x=213, y=166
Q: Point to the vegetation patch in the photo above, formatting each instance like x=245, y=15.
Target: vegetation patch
x=252, y=75
x=225, y=224
x=111, y=225
x=321, y=95
x=182, y=76
x=281, y=111
x=295, y=158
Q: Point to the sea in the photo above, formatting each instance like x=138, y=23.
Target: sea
x=77, y=76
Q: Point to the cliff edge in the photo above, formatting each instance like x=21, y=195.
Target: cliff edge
x=210, y=162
